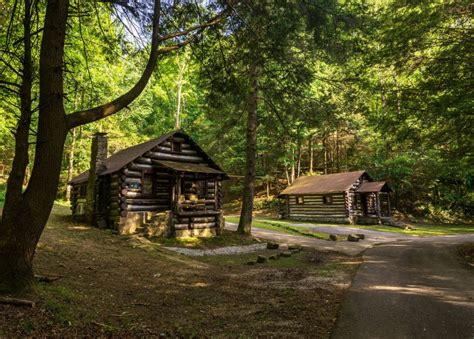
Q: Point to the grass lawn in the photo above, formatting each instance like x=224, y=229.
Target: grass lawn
x=280, y=226
x=420, y=230
x=227, y=238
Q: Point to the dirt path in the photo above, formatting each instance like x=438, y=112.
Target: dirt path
x=410, y=289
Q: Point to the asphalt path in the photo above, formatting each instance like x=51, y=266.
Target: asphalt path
x=350, y=248
x=411, y=289
x=407, y=287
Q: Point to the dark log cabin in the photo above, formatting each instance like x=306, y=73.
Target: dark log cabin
x=350, y=197
x=167, y=187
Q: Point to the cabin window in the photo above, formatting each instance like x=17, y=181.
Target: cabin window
x=176, y=146
x=327, y=199
x=82, y=190
x=199, y=188
x=299, y=200
x=147, y=186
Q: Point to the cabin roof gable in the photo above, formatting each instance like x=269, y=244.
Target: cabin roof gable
x=122, y=158
x=329, y=183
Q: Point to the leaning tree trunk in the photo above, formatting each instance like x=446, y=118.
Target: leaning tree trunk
x=22, y=224
x=245, y=222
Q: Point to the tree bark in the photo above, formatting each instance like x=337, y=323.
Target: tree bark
x=245, y=222
x=298, y=161
x=311, y=154
x=182, y=68
x=20, y=161
x=70, y=169
x=23, y=223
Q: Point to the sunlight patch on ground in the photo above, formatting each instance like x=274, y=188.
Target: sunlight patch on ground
x=445, y=295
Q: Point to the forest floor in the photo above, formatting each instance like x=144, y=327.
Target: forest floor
x=129, y=286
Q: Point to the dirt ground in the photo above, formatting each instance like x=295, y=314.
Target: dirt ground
x=128, y=286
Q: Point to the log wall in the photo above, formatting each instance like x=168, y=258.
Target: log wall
x=314, y=208
x=131, y=203
x=78, y=196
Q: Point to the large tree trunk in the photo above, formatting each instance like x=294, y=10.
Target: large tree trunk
x=25, y=214
x=23, y=223
x=245, y=222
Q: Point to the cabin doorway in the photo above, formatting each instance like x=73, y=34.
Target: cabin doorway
x=364, y=203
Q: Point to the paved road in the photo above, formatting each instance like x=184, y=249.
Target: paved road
x=407, y=287
x=410, y=289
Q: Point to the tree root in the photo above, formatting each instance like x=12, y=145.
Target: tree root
x=16, y=302
x=47, y=279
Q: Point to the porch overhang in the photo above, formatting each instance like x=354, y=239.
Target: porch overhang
x=189, y=168
x=374, y=187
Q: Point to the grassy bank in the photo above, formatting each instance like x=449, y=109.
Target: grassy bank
x=281, y=226
x=420, y=230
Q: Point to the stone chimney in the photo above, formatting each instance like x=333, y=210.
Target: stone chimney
x=99, y=152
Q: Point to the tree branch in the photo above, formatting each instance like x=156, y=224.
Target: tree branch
x=83, y=117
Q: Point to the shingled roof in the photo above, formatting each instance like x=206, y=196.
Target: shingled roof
x=374, y=186
x=120, y=159
x=329, y=183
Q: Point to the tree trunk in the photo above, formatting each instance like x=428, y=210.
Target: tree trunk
x=311, y=154
x=298, y=160
x=245, y=222
x=70, y=170
x=338, y=163
x=23, y=223
x=20, y=161
x=325, y=147
x=182, y=68
x=293, y=171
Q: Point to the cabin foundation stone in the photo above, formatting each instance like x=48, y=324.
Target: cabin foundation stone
x=159, y=224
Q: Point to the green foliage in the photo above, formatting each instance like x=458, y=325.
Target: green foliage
x=384, y=86
x=2, y=193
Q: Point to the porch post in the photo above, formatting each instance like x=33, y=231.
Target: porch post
x=377, y=204
x=388, y=204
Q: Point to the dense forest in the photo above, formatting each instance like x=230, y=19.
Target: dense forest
x=341, y=86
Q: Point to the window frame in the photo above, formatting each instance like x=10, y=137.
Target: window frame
x=328, y=199
x=299, y=200
x=176, y=146
x=152, y=184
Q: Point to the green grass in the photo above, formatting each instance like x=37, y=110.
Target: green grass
x=227, y=238
x=281, y=226
x=423, y=230
x=420, y=230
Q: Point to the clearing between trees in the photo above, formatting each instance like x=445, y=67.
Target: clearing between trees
x=128, y=285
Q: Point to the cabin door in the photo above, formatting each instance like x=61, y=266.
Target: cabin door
x=364, y=203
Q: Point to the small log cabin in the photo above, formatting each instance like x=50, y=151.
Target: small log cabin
x=166, y=187
x=350, y=197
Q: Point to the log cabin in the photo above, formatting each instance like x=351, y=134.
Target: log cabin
x=350, y=197
x=165, y=187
